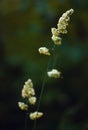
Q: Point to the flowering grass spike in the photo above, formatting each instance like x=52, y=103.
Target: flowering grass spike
x=28, y=91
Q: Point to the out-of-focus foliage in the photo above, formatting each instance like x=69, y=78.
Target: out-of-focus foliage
x=25, y=25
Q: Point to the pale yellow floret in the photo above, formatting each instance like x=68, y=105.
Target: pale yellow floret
x=23, y=106
x=57, y=40
x=54, y=32
x=54, y=73
x=28, y=92
x=28, y=89
x=44, y=50
x=35, y=115
x=29, y=83
x=32, y=100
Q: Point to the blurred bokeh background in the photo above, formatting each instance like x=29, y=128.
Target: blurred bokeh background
x=25, y=25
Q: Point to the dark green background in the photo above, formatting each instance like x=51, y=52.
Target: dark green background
x=25, y=25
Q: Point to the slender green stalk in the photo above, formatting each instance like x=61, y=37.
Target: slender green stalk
x=44, y=81
x=34, y=125
x=26, y=117
x=43, y=86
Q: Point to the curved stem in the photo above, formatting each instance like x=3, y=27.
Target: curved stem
x=43, y=86
x=26, y=120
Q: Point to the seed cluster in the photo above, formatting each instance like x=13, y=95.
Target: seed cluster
x=28, y=92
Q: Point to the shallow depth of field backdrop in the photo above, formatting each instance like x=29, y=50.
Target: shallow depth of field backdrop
x=25, y=25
